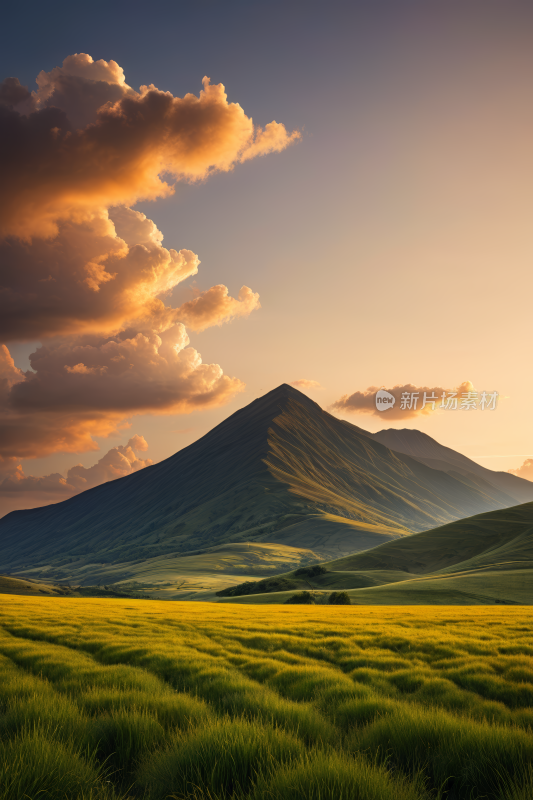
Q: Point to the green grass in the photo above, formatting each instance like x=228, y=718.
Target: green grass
x=109, y=699
x=35, y=765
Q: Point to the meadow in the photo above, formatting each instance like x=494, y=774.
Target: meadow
x=112, y=699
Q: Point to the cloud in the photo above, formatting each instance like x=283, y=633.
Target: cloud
x=365, y=402
x=303, y=383
x=87, y=275
x=94, y=276
x=10, y=468
x=138, y=373
x=81, y=388
x=215, y=306
x=103, y=275
x=10, y=375
x=12, y=93
x=85, y=140
x=525, y=471
x=18, y=490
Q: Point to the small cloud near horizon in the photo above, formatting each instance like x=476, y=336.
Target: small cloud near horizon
x=525, y=471
x=18, y=490
x=304, y=383
x=365, y=402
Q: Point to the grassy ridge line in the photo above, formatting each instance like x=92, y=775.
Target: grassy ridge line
x=12, y=585
x=282, y=700
x=173, y=577
x=472, y=587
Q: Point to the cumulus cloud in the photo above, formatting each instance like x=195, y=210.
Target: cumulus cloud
x=81, y=388
x=19, y=490
x=304, y=383
x=525, y=471
x=98, y=275
x=142, y=372
x=116, y=463
x=89, y=276
x=87, y=140
x=423, y=400
x=105, y=274
x=215, y=306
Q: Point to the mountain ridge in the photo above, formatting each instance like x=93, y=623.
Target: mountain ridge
x=428, y=451
x=278, y=470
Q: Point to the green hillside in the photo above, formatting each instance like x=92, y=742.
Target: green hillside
x=497, y=538
x=486, y=558
x=279, y=471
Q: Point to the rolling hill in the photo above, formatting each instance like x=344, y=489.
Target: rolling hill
x=482, y=559
x=279, y=471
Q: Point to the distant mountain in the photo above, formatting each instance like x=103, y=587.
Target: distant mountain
x=487, y=558
x=428, y=451
x=280, y=470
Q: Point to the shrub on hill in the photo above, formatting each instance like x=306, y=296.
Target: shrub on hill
x=303, y=598
x=310, y=572
x=258, y=587
x=339, y=599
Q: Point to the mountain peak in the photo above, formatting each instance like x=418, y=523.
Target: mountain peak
x=280, y=396
x=285, y=390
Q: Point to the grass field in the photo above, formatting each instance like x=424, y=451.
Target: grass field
x=108, y=699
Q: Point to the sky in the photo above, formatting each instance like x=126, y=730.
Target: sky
x=381, y=226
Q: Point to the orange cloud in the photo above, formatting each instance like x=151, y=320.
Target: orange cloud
x=89, y=275
x=365, y=402
x=87, y=387
x=100, y=275
x=85, y=140
x=18, y=490
x=525, y=471
x=303, y=383
x=215, y=306
x=10, y=468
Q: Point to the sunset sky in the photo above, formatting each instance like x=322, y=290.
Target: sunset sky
x=360, y=204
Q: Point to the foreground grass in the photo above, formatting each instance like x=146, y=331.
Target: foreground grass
x=109, y=699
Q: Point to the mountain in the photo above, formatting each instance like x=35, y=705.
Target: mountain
x=281, y=470
x=486, y=558
x=423, y=448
